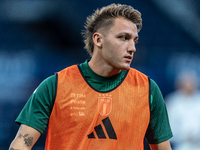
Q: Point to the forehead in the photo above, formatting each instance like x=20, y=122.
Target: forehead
x=123, y=25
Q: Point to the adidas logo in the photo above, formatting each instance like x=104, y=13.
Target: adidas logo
x=100, y=131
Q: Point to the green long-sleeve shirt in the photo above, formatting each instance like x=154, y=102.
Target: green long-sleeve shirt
x=38, y=108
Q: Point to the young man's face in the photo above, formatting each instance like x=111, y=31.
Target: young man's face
x=118, y=44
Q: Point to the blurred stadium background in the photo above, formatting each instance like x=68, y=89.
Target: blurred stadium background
x=40, y=37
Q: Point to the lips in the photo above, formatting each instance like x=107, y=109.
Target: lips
x=129, y=58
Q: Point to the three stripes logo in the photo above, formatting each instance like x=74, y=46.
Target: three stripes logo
x=100, y=131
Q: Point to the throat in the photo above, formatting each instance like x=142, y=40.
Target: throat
x=103, y=70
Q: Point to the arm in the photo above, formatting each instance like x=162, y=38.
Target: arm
x=25, y=138
x=159, y=131
x=161, y=146
x=35, y=115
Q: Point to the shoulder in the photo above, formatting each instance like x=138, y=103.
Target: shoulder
x=46, y=91
x=47, y=83
x=137, y=75
x=157, y=100
x=135, y=71
x=39, y=105
x=73, y=67
x=68, y=71
x=154, y=87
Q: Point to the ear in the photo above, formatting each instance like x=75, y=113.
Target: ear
x=98, y=39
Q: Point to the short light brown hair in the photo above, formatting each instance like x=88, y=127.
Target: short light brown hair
x=104, y=18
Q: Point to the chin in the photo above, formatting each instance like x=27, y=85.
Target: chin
x=122, y=66
x=125, y=68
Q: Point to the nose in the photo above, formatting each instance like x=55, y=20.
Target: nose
x=131, y=47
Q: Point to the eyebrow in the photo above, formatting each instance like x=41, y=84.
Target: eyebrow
x=128, y=34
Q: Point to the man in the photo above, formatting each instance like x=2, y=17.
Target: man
x=101, y=103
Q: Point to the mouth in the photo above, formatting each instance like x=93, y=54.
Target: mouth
x=128, y=58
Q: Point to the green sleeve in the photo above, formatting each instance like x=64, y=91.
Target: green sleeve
x=38, y=108
x=159, y=129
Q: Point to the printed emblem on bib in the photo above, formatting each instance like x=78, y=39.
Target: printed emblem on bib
x=104, y=105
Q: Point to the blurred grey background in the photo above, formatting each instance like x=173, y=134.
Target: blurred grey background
x=40, y=37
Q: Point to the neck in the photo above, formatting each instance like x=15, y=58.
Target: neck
x=102, y=69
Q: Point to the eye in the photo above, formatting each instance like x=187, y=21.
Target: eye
x=124, y=38
x=136, y=42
